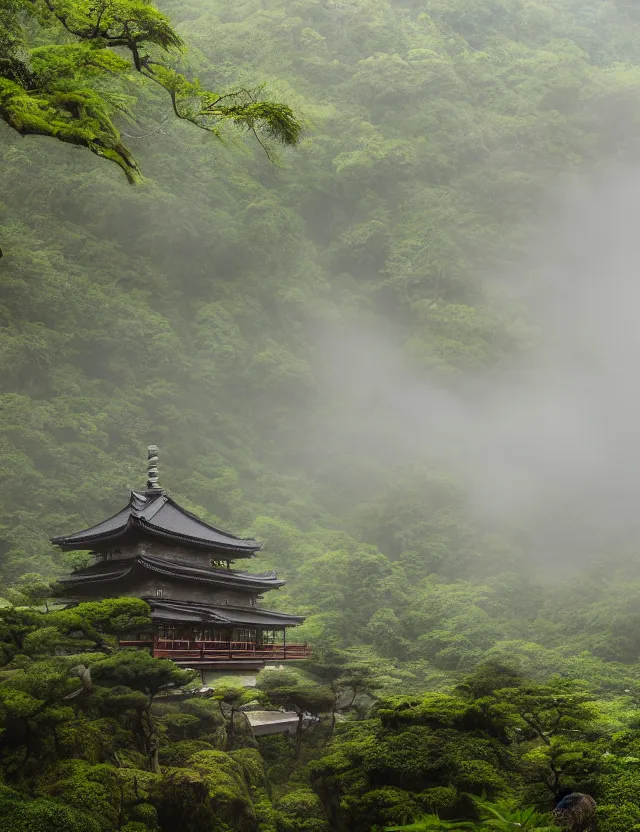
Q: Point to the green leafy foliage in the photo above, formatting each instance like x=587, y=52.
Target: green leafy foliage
x=71, y=88
x=505, y=814
x=186, y=312
x=22, y=815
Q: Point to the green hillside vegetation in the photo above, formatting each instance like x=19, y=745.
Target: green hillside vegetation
x=450, y=681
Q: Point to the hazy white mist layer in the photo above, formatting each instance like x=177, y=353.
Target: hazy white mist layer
x=556, y=439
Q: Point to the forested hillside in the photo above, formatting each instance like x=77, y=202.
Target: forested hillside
x=302, y=336
x=195, y=310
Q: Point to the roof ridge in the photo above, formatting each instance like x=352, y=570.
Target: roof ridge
x=153, y=508
x=144, y=511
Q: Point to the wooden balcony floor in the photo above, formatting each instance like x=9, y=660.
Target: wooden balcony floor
x=212, y=652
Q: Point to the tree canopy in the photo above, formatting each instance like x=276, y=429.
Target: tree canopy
x=63, y=74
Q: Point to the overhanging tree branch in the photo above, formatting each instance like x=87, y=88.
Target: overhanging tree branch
x=52, y=91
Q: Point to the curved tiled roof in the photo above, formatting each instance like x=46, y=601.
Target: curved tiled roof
x=226, y=577
x=107, y=571
x=153, y=513
x=168, y=610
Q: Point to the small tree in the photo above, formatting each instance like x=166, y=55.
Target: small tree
x=30, y=590
x=139, y=678
x=100, y=622
x=333, y=668
x=232, y=699
x=34, y=701
x=90, y=626
x=303, y=699
x=546, y=710
x=360, y=680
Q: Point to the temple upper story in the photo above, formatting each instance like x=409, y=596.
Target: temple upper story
x=151, y=516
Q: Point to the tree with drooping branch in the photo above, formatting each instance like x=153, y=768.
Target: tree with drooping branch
x=73, y=87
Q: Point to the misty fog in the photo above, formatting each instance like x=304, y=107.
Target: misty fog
x=549, y=440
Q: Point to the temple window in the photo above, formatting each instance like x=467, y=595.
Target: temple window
x=244, y=634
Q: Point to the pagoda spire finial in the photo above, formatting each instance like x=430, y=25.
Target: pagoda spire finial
x=152, y=466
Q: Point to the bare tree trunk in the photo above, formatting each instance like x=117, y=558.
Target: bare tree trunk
x=299, y=735
x=231, y=732
x=151, y=741
x=436, y=299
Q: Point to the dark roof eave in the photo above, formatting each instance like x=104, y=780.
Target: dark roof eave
x=77, y=541
x=114, y=535
x=181, y=608
x=113, y=571
x=285, y=617
x=71, y=581
x=215, y=576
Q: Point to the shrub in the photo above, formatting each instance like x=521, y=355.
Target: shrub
x=20, y=814
x=301, y=811
x=177, y=753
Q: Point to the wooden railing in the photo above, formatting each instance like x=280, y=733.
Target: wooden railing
x=182, y=650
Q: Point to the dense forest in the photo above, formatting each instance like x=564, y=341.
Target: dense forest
x=377, y=308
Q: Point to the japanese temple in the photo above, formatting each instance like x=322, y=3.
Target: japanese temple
x=205, y=613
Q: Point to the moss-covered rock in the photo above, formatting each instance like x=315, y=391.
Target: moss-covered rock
x=184, y=802
x=252, y=766
x=226, y=780
x=266, y=814
x=137, y=788
x=103, y=792
x=211, y=793
x=92, y=790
